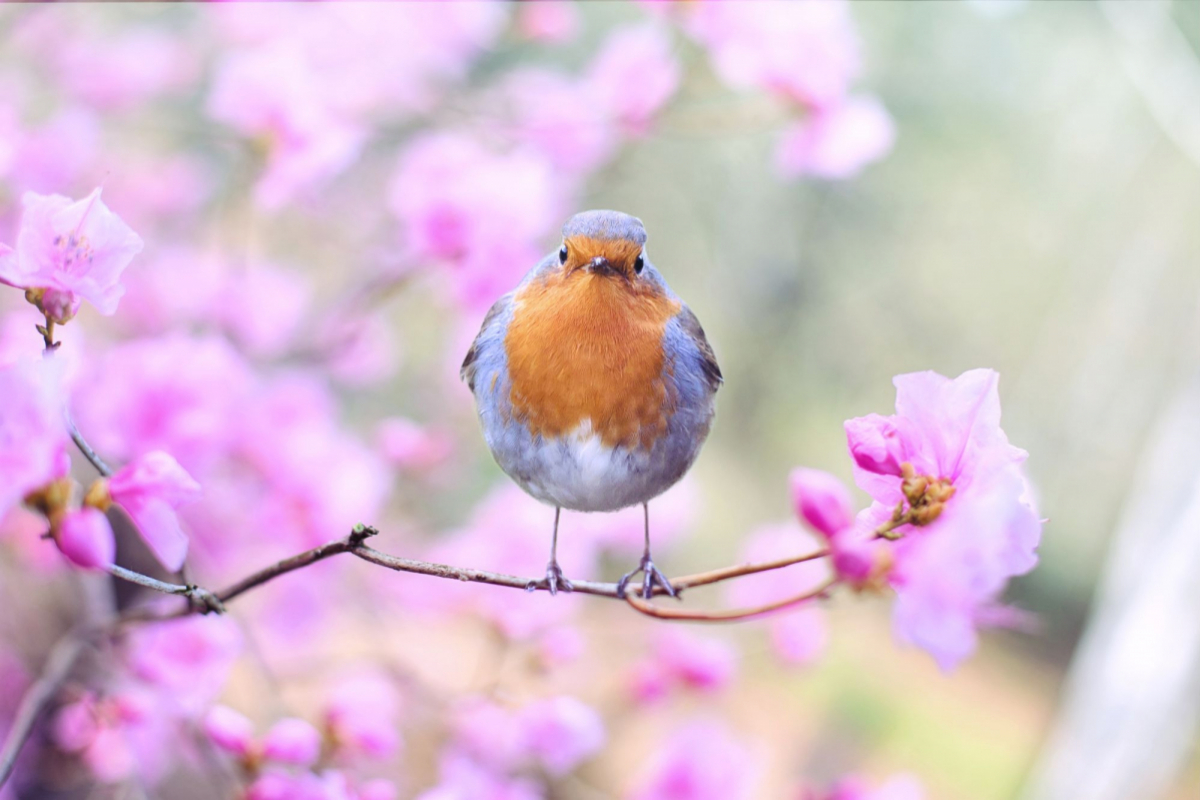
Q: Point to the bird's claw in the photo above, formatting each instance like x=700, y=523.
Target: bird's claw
x=553, y=581
x=651, y=576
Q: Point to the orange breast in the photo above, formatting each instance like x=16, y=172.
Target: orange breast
x=585, y=347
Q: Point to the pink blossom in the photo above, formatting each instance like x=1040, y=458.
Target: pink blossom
x=149, y=489
x=328, y=785
x=361, y=716
x=482, y=214
x=116, y=72
x=797, y=634
x=32, y=435
x=139, y=400
x=559, y=117
x=702, y=760
x=292, y=741
x=378, y=789
x=821, y=500
x=190, y=657
x=836, y=142
x=560, y=733
x=808, y=52
x=115, y=737
x=273, y=93
x=229, y=730
x=552, y=21
x=75, y=250
x=86, y=538
x=462, y=778
x=634, y=75
x=852, y=787
x=682, y=658
x=411, y=446
x=263, y=306
x=488, y=733
x=58, y=152
x=950, y=572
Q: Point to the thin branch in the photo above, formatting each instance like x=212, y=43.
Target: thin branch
x=729, y=615
x=87, y=450
x=201, y=599
x=58, y=666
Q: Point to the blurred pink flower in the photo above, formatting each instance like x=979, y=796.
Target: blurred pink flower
x=139, y=400
x=480, y=213
x=229, y=730
x=120, y=70
x=273, y=94
x=558, y=117
x=86, y=539
x=116, y=737
x=487, y=732
x=57, y=153
x=462, y=778
x=361, y=715
x=701, y=760
x=852, y=787
x=153, y=302
x=411, y=446
x=837, y=141
x=263, y=306
x=560, y=733
x=149, y=489
x=634, y=75
x=292, y=741
x=190, y=657
x=950, y=572
x=362, y=351
x=552, y=21
x=797, y=634
x=328, y=785
x=807, y=52
x=33, y=438
x=821, y=500
x=686, y=659
x=75, y=250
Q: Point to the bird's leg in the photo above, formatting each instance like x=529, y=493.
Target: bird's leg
x=650, y=573
x=554, y=575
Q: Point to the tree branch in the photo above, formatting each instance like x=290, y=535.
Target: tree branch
x=58, y=666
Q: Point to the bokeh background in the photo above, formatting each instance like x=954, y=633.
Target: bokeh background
x=1036, y=213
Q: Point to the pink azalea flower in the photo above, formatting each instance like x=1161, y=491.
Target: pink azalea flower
x=634, y=75
x=686, y=659
x=361, y=716
x=273, y=93
x=263, y=306
x=552, y=21
x=33, y=438
x=797, y=635
x=190, y=658
x=950, y=572
x=149, y=489
x=482, y=214
x=75, y=250
x=411, y=446
x=560, y=733
x=118, y=72
x=58, y=152
x=229, y=730
x=702, y=760
x=836, y=142
x=86, y=538
x=462, y=778
x=292, y=741
x=822, y=501
x=559, y=117
x=898, y=787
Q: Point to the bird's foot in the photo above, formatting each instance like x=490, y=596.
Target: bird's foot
x=651, y=576
x=553, y=581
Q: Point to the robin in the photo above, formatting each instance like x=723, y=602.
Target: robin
x=594, y=382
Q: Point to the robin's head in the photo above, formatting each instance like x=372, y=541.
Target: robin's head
x=605, y=243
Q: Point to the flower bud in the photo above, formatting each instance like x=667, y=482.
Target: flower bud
x=292, y=741
x=876, y=444
x=86, y=538
x=229, y=730
x=821, y=500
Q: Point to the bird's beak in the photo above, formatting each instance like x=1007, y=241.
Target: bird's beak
x=600, y=265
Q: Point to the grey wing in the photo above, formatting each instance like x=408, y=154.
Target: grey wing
x=708, y=360
x=488, y=335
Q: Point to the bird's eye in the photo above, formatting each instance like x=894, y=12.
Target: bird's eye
x=562, y=254
x=638, y=264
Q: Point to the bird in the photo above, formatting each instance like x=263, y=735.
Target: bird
x=594, y=383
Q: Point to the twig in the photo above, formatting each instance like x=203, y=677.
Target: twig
x=200, y=598
x=730, y=615
x=58, y=666
x=87, y=450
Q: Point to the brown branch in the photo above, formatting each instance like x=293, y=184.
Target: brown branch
x=58, y=666
x=728, y=615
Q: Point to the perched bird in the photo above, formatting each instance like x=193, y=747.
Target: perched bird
x=594, y=382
